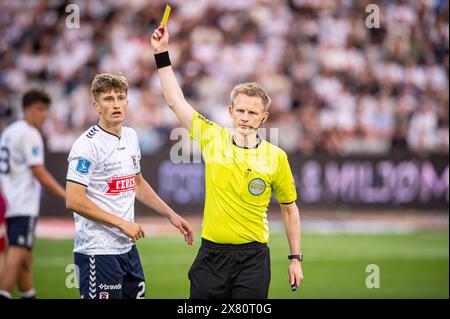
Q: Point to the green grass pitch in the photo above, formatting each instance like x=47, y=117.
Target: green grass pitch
x=411, y=266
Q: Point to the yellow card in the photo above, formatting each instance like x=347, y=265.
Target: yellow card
x=166, y=16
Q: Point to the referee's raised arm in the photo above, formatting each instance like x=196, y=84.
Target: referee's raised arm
x=171, y=89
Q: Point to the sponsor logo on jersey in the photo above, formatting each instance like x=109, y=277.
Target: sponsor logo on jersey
x=112, y=166
x=83, y=166
x=256, y=186
x=123, y=184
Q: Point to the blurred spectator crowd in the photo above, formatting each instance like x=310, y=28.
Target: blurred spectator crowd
x=337, y=86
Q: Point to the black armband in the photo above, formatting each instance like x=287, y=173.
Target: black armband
x=162, y=59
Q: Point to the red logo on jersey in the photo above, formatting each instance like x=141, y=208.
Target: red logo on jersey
x=123, y=184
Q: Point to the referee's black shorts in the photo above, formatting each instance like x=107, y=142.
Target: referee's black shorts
x=225, y=271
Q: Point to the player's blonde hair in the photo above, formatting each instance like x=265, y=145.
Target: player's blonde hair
x=251, y=89
x=105, y=82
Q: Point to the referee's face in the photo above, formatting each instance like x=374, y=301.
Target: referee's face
x=112, y=107
x=247, y=114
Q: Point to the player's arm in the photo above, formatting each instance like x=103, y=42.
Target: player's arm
x=171, y=89
x=32, y=148
x=47, y=179
x=77, y=201
x=291, y=220
x=146, y=195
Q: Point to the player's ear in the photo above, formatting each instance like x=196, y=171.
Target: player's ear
x=265, y=117
x=96, y=106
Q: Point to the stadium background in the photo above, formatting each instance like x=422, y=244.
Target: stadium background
x=363, y=113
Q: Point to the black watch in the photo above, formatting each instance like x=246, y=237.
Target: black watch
x=299, y=257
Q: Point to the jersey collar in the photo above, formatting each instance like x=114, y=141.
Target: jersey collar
x=244, y=147
x=105, y=131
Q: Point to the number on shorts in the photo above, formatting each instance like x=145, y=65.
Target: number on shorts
x=140, y=294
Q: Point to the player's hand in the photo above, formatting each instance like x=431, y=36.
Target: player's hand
x=159, y=40
x=132, y=230
x=183, y=226
x=295, y=273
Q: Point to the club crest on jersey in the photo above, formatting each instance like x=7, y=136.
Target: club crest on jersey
x=83, y=166
x=133, y=157
x=256, y=186
x=123, y=184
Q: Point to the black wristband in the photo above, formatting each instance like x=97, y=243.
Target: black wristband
x=162, y=59
x=299, y=257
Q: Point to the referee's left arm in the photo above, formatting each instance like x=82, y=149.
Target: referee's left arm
x=291, y=220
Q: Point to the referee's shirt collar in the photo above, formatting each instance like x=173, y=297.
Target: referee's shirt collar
x=244, y=147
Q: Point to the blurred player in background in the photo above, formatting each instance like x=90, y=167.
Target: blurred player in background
x=241, y=171
x=2, y=231
x=103, y=180
x=22, y=172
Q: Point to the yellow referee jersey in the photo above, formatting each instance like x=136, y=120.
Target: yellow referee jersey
x=239, y=183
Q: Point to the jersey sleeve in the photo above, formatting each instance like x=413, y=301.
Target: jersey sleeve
x=138, y=164
x=137, y=160
x=81, y=161
x=203, y=131
x=33, y=148
x=284, y=184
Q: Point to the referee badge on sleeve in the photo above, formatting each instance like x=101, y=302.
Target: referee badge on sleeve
x=83, y=166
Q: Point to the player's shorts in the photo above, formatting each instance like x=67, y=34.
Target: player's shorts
x=111, y=276
x=21, y=231
x=230, y=271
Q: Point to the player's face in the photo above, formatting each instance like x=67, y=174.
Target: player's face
x=37, y=114
x=112, y=106
x=247, y=114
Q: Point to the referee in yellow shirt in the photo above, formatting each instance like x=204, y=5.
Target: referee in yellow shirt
x=242, y=171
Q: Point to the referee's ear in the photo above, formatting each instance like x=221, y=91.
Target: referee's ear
x=265, y=117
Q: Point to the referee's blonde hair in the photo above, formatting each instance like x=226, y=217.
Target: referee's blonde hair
x=105, y=82
x=251, y=89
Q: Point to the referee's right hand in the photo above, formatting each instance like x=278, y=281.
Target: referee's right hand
x=132, y=230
